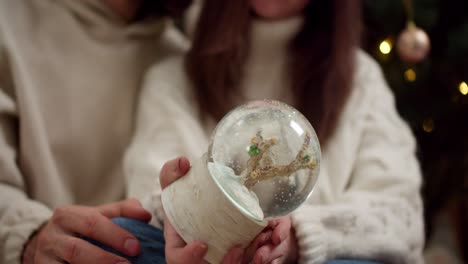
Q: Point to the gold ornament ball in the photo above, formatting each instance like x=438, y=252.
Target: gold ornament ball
x=413, y=44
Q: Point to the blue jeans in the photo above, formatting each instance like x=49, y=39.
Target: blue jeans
x=152, y=244
x=151, y=241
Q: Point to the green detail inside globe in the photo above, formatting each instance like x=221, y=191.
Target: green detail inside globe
x=253, y=150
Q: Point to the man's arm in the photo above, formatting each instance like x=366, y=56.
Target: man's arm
x=30, y=232
x=19, y=216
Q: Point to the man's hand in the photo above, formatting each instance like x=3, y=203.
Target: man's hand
x=59, y=241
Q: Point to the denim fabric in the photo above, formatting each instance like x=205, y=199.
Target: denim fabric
x=152, y=244
x=344, y=261
x=151, y=241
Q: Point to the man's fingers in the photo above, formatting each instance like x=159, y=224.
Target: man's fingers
x=40, y=258
x=173, y=170
x=76, y=250
x=91, y=224
x=130, y=208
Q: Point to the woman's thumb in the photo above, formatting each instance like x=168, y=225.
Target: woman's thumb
x=173, y=170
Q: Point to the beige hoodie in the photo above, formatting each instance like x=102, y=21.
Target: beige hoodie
x=69, y=77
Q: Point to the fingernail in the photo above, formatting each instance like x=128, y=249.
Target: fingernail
x=200, y=250
x=177, y=167
x=131, y=245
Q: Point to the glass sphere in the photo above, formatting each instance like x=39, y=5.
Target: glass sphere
x=265, y=157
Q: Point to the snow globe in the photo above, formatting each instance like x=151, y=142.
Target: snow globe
x=262, y=163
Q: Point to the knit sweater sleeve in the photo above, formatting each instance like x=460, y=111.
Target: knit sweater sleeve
x=167, y=127
x=379, y=214
x=19, y=216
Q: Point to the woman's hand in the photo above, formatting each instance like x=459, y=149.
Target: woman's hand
x=276, y=243
x=177, y=251
x=59, y=241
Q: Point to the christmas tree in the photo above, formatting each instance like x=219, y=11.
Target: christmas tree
x=431, y=94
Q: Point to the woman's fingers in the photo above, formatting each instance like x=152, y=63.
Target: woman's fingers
x=173, y=170
x=259, y=241
x=192, y=253
x=173, y=239
x=281, y=229
x=268, y=253
x=234, y=256
x=177, y=251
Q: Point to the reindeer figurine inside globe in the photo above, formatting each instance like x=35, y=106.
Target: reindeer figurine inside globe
x=262, y=163
x=261, y=167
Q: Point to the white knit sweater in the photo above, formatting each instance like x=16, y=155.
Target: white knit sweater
x=366, y=204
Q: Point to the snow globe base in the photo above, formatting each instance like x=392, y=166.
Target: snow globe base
x=199, y=210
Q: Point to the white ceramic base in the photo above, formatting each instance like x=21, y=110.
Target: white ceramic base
x=199, y=210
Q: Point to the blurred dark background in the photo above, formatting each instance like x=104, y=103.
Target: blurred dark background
x=432, y=95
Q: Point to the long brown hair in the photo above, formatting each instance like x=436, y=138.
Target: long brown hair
x=155, y=8
x=322, y=58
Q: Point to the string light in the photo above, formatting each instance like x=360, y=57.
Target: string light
x=428, y=125
x=410, y=75
x=463, y=88
x=385, y=47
